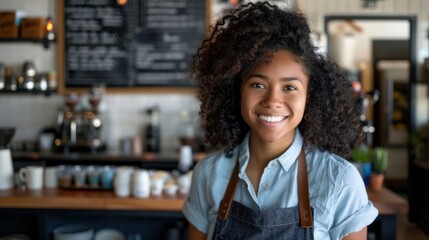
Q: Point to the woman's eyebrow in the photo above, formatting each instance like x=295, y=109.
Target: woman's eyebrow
x=263, y=77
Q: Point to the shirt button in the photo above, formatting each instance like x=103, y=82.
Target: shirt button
x=266, y=186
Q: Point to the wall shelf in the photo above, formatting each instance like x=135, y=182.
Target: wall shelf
x=28, y=92
x=45, y=42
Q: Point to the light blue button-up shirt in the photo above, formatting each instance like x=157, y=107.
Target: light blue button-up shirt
x=337, y=192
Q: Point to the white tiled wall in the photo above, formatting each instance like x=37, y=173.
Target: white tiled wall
x=124, y=114
x=127, y=116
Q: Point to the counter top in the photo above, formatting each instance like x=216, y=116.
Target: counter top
x=162, y=161
x=107, y=156
x=386, y=201
x=115, y=156
x=86, y=200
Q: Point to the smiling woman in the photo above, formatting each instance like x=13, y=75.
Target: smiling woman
x=284, y=117
x=273, y=98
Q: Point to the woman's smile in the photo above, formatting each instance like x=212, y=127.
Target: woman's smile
x=272, y=119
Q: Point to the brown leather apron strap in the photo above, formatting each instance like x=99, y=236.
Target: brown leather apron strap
x=305, y=216
x=228, y=197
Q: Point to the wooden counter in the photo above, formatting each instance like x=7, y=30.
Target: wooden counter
x=389, y=206
x=386, y=201
x=86, y=199
x=51, y=207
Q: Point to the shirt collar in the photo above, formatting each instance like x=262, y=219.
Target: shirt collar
x=286, y=159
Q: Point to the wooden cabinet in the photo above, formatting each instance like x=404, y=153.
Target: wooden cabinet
x=37, y=213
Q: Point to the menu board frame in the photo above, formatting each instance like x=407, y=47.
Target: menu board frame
x=129, y=86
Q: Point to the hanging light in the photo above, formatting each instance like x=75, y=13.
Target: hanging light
x=121, y=2
x=49, y=27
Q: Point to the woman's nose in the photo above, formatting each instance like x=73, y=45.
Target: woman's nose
x=273, y=99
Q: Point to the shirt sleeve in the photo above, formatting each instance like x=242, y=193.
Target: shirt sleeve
x=353, y=210
x=196, y=206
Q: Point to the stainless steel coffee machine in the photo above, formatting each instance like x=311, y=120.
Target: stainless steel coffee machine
x=80, y=129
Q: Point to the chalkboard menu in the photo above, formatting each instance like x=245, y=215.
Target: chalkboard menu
x=131, y=42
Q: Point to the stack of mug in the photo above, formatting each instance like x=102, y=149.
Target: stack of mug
x=121, y=182
x=36, y=177
x=127, y=180
x=141, y=183
x=131, y=181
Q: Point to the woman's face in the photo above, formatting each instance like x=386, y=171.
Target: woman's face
x=273, y=97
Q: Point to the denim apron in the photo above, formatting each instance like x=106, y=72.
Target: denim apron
x=236, y=221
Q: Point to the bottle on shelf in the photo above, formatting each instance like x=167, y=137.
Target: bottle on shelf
x=187, y=129
x=10, y=80
x=153, y=135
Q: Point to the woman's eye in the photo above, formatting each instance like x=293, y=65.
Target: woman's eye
x=290, y=88
x=256, y=85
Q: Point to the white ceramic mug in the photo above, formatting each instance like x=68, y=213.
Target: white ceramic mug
x=6, y=170
x=32, y=176
x=141, y=183
x=156, y=185
x=122, y=181
x=184, y=183
x=185, y=158
x=50, y=180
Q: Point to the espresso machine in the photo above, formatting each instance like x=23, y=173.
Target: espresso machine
x=80, y=129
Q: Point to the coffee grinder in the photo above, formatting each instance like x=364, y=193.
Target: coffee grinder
x=6, y=166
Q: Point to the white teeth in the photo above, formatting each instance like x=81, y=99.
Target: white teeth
x=271, y=119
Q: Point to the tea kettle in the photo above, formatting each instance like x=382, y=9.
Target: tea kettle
x=6, y=166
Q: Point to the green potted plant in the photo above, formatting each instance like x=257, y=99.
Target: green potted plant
x=361, y=158
x=380, y=161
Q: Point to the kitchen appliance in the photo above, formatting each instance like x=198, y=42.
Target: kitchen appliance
x=153, y=132
x=10, y=79
x=6, y=166
x=79, y=129
x=29, y=75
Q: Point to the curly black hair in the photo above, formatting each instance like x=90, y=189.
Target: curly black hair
x=243, y=38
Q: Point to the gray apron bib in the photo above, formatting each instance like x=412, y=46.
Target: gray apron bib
x=236, y=221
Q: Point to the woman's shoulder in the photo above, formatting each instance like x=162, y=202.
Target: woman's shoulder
x=330, y=176
x=315, y=154
x=214, y=162
x=212, y=158
x=329, y=166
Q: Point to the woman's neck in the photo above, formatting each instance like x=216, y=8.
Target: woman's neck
x=261, y=153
